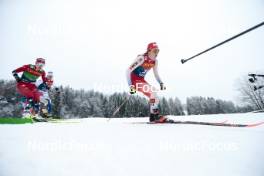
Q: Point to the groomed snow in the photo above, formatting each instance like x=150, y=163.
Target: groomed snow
x=121, y=147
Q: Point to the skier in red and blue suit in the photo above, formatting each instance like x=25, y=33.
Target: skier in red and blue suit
x=44, y=88
x=136, y=80
x=26, y=83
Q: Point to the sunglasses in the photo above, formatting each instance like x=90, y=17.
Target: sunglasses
x=155, y=50
x=40, y=64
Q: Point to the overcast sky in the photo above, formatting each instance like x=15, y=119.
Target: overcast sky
x=91, y=43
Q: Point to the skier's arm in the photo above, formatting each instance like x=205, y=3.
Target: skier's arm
x=139, y=61
x=43, y=76
x=38, y=82
x=18, y=70
x=21, y=69
x=156, y=73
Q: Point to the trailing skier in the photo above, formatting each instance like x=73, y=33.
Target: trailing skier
x=136, y=80
x=44, y=88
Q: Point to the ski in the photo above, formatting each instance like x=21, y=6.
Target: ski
x=9, y=120
x=39, y=120
x=54, y=120
x=51, y=120
x=223, y=124
x=32, y=120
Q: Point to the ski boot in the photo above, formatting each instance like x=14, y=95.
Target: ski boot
x=27, y=107
x=43, y=111
x=38, y=118
x=26, y=113
x=156, y=118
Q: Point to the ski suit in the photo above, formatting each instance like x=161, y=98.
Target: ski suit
x=136, y=77
x=26, y=86
x=44, y=89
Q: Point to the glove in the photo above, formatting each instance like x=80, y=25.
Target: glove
x=57, y=90
x=46, y=86
x=18, y=79
x=132, y=90
x=252, y=80
x=162, y=87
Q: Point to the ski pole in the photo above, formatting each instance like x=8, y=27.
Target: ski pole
x=221, y=43
x=254, y=75
x=119, y=107
x=257, y=88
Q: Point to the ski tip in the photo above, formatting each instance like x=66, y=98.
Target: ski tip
x=255, y=124
x=224, y=121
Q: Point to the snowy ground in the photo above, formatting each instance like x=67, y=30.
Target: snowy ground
x=96, y=147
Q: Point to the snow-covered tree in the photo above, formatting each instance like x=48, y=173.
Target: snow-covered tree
x=249, y=92
x=202, y=105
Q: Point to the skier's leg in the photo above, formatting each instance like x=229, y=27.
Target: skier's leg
x=25, y=89
x=25, y=107
x=40, y=103
x=49, y=106
x=154, y=107
x=151, y=93
x=38, y=96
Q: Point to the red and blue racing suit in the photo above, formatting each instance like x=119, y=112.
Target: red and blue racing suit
x=136, y=77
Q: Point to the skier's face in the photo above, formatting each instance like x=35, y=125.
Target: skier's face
x=153, y=53
x=49, y=82
x=39, y=65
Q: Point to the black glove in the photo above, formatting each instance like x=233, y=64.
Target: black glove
x=162, y=87
x=18, y=79
x=252, y=80
x=47, y=86
x=57, y=90
x=132, y=90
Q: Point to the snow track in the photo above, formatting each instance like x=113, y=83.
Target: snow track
x=119, y=147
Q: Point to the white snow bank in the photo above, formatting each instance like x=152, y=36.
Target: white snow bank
x=119, y=147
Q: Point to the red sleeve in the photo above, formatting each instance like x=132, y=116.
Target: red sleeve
x=43, y=76
x=21, y=69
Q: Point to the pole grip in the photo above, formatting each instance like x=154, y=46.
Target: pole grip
x=183, y=61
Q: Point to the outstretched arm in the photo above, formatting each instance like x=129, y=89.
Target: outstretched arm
x=18, y=70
